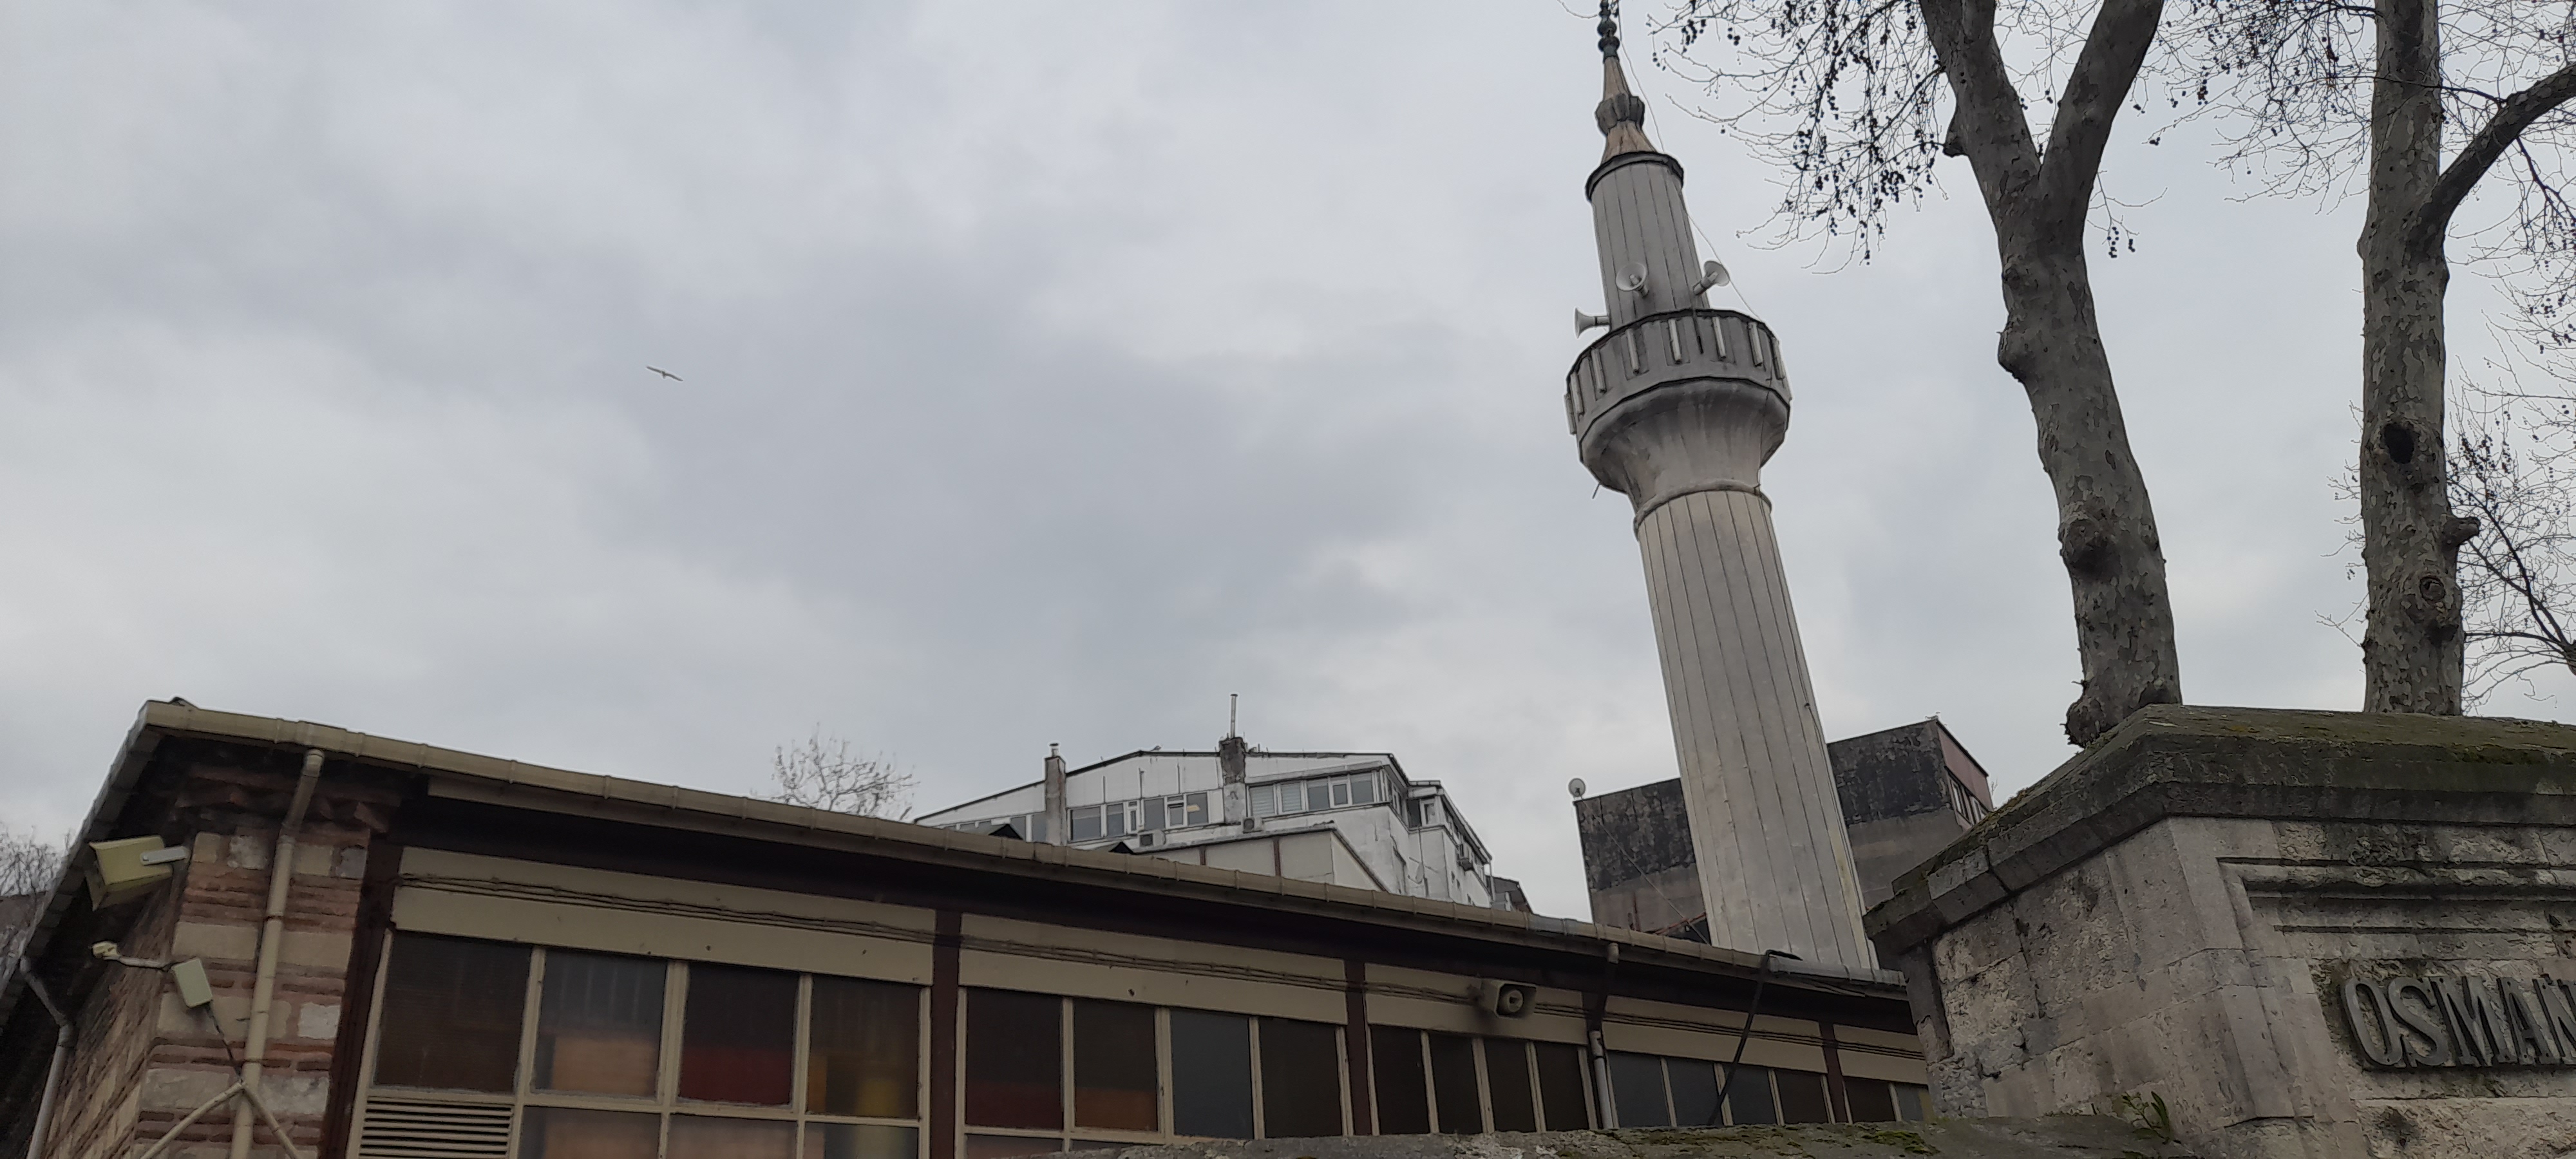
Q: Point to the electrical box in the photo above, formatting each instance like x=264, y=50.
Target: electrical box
x=194, y=989
x=118, y=872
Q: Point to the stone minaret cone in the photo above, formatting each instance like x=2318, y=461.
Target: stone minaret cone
x=1678, y=407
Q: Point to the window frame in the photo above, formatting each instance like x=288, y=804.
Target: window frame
x=664, y=1103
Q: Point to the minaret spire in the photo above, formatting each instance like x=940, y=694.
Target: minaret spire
x=1678, y=407
x=1621, y=113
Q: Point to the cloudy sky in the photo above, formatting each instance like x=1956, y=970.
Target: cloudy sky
x=1050, y=372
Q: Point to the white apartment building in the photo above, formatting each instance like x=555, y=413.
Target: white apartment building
x=1350, y=819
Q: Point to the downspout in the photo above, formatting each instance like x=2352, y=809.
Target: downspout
x=1600, y=1010
x=272, y=932
x=54, y=1072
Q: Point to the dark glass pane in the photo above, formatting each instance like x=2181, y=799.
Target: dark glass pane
x=1694, y=1086
x=1301, y=1079
x=860, y=1141
x=738, y=1038
x=1637, y=1085
x=708, y=1137
x=599, y=1026
x=1014, y=1060
x=1913, y=1103
x=1561, y=1087
x=1802, y=1097
x=1453, y=1084
x=564, y=1133
x=1507, y=1084
x=1403, y=1097
x=863, y=1056
x=452, y=1013
x=1871, y=1100
x=1364, y=789
x=1117, y=1074
x=1211, y=1074
x=1008, y=1146
x=1748, y=1096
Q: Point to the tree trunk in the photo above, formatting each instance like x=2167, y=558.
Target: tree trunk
x=2412, y=647
x=2052, y=340
x=2106, y=530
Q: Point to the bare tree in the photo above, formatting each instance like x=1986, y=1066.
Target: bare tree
x=2334, y=90
x=821, y=774
x=1864, y=90
x=2513, y=470
x=29, y=867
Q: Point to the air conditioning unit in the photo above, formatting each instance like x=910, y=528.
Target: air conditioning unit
x=1148, y=840
x=1507, y=999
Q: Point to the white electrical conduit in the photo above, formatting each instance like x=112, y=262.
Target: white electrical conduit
x=53, y=1072
x=247, y=1095
x=272, y=932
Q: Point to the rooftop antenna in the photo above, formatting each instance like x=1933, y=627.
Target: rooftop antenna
x=1231, y=700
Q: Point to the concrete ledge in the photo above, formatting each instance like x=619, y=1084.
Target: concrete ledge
x=2052, y=1137
x=2183, y=761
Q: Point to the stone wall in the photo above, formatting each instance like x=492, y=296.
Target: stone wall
x=2175, y=913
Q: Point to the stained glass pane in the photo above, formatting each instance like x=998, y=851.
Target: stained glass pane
x=708, y=1137
x=1117, y=1073
x=1014, y=1059
x=564, y=1133
x=860, y=1141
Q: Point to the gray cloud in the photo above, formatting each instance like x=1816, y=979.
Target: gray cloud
x=1050, y=375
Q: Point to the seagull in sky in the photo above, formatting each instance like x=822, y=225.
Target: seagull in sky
x=666, y=374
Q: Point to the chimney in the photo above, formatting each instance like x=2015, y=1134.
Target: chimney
x=1229, y=762
x=1056, y=821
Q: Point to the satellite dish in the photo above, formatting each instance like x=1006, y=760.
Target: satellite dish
x=1575, y=787
x=1632, y=277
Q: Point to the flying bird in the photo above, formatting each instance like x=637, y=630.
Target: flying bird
x=666, y=374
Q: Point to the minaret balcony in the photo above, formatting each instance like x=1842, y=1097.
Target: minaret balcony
x=1663, y=349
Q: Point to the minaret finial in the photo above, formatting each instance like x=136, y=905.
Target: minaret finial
x=1621, y=114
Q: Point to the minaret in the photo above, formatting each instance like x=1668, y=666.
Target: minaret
x=1678, y=407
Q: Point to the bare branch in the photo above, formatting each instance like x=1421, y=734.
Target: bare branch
x=821, y=774
x=2502, y=131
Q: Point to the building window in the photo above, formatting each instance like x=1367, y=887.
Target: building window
x=644, y=1058
x=1211, y=1074
x=452, y=1010
x=1101, y=1078
x=1426, y=1081
x=1661, y=1092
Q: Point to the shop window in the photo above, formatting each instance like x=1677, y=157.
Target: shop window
x=1403, y=1092
x=738, y=1037
x=1211, y=1074
x=568, y=1133
x=1117, y=1072
x=1301, y=1079
x=1507, y=1085
x=1453, y=1084
x=1637, y=1085
x=1802, y=1097
x=1694, y=1087
x=1871, y=1100
x=599, y=1024
x=452, y=1014
x=708, y=1137
x=1563, y=1091
x=863, y=1052
x=1748, y=1095
x=860, y=1141
x=1014, y=1060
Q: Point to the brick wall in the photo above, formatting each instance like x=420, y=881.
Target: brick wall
x=144, y=1060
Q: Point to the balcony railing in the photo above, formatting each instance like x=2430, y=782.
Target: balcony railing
x=1670, y=347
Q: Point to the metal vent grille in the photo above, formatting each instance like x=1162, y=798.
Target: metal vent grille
x=414, y=1129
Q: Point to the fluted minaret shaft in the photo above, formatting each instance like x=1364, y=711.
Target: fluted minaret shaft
x=1677, y=407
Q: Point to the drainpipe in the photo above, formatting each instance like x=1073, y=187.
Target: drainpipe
x=53, y=1073
x=1599, y=1013
x=272, y=932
